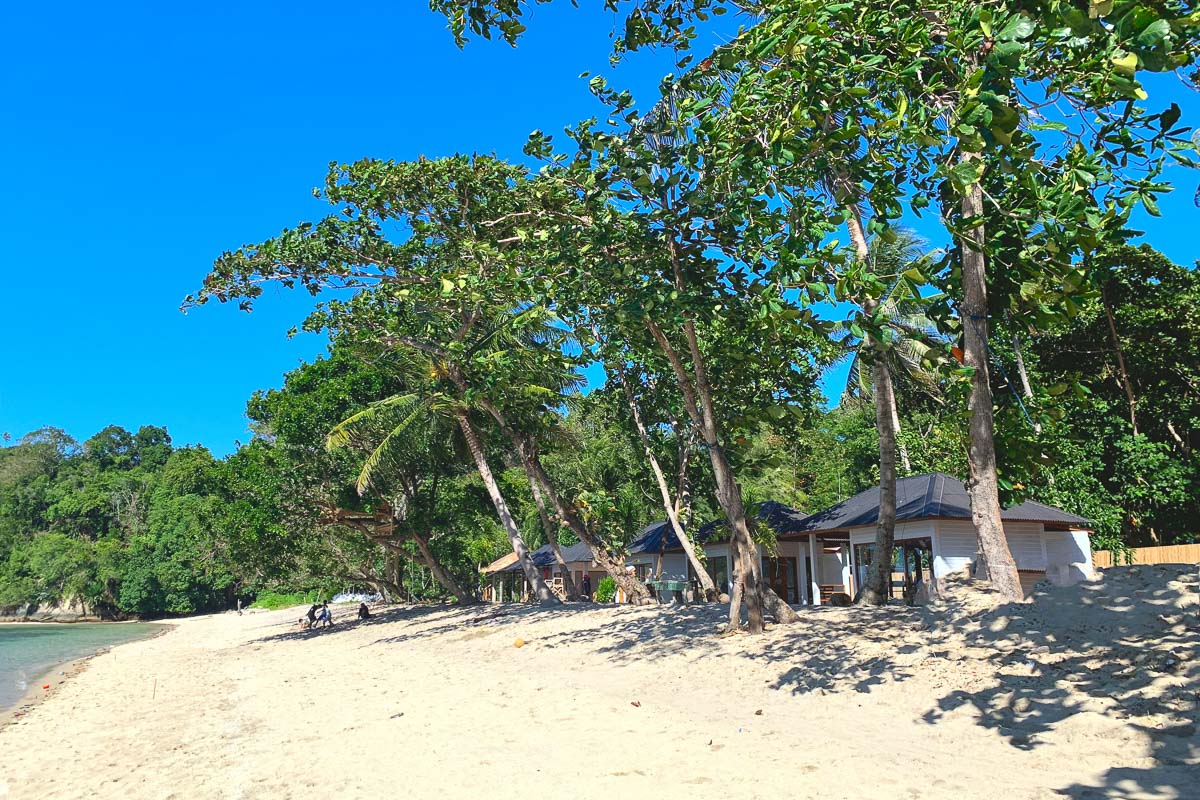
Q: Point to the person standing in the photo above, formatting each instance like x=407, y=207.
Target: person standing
x=587, y=585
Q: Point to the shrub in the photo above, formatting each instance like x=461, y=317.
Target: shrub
x=273, y=601
x=606, y=590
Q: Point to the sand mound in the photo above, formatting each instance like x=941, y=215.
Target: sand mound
x=959, y=595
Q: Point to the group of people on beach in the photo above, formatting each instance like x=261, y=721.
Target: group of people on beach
x=319, y=616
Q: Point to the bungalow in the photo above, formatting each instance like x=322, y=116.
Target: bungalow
x=935, y=535
x=505, y=581
x=657, y=552
x=826, y=553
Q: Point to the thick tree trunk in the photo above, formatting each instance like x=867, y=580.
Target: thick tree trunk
x=440, y=573
x=540, y=589
x=707, y=587
x=552, y=538
x=697, y=397
x=774, y=605
x=983, y=487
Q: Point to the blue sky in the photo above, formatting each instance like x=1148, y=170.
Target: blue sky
x=141, y=140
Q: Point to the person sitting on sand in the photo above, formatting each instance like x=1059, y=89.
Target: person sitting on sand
x=326, y=617
x=363, y=611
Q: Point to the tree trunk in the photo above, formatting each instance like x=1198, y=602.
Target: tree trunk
x=707, y=586
x=876, y=590
x=775, y=606
x=983, y=487
x=552, y=538
x=609, y=561
x=440, y=573
x=697, y=399
x=1026, y=389
x=540, y=589
x=1126, y=384
x=900, y=446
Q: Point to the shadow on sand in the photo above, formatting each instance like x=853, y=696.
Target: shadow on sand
x=1124, y=646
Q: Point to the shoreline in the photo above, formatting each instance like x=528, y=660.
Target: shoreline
x=35, y=695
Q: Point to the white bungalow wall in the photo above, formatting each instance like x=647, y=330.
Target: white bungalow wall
x=1068, y=556
x=1065, y=556
x=674, y=565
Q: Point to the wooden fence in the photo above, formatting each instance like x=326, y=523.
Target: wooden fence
x=1169, y=554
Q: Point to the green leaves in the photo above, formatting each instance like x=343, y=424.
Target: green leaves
x=1125, y=63
x=1018, y=26
x=965, y=174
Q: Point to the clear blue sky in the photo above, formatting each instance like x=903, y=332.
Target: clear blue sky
x=141, y=140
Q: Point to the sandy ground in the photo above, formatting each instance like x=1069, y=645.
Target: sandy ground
x=1087, y=692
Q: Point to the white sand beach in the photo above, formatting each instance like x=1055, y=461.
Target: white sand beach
x=1088, y=692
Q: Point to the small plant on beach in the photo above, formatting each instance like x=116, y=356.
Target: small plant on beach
x=606, y=590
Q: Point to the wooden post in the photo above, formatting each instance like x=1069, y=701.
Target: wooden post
x=816, y=569
x=848, y=571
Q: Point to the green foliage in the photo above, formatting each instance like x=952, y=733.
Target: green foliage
x=123, y=524
x=273, y=601
x=606, y=590
x=682, y=244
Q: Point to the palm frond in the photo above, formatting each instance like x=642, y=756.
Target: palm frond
x=367, y=474
x=342, y=434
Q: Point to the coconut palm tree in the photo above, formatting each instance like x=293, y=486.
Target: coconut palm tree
x=508, y=372
x=916, y=343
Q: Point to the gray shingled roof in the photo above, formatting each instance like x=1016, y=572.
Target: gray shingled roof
x=931, y=496
x=544, y=556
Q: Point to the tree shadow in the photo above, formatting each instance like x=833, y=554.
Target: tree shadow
x=1125, y=646
x=347, y=619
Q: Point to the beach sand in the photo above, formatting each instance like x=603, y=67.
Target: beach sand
x=1087, y=692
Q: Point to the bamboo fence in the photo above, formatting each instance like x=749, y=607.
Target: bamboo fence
x=1167, y=554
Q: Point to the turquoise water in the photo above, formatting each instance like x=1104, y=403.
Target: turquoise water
x=30, y=650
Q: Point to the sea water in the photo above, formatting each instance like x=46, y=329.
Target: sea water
x=28, y=650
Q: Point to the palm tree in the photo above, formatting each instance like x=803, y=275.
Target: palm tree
x=404, y=424
x=514, y=369
x=916, y=342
